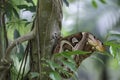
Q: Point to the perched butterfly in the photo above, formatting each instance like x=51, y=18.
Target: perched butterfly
x=81, y=41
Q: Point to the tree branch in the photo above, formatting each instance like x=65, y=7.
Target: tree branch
x=19, y=40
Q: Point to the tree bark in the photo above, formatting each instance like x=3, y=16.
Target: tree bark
x=47, y=24
x=3, y=43
x=0, y=36
x=3, y=32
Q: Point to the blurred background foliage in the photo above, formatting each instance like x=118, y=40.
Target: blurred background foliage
x=99, y=17
x=102, y=19
x=91, y=15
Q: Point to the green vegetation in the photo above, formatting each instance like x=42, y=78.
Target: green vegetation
x=99, y=17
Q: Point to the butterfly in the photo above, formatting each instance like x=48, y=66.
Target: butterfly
x=83, y=41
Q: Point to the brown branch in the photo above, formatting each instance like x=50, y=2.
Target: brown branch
x=4, y=72
x=19, y=40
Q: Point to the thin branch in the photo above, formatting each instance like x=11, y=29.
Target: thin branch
x=19, y=40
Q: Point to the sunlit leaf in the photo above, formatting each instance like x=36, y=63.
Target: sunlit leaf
x=55, y=76
x=35, y=2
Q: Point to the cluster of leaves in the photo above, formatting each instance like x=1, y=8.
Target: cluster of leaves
x=13, y=10
x=16, y=25
x=65, y=58
x=114, y=45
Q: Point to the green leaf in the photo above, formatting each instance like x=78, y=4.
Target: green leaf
x=35, y=2
x=66, y=73
x=112, y=43
x=70, y=65
x=55, y=76
x=103, y=1
x=77, y=52
x=22, y=6
x=70, y=53
x=94, y=3
x=30, y=1
x=114, y=33
x=33, y=75
x=15, y=12
x=27, y=23
x=32, y=8
x=8, y=9
x=113, y=51
x=53, y=65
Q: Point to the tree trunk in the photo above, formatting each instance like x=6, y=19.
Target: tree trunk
x=3, y=43
x=47, y=24
x=3, y=33
x=1, y=36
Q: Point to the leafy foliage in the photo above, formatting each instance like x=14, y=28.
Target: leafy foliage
x=114, y=45
x=33, y=75
x=17, y=26
x=55, y=76
x=63, y=58
x=20, y=48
